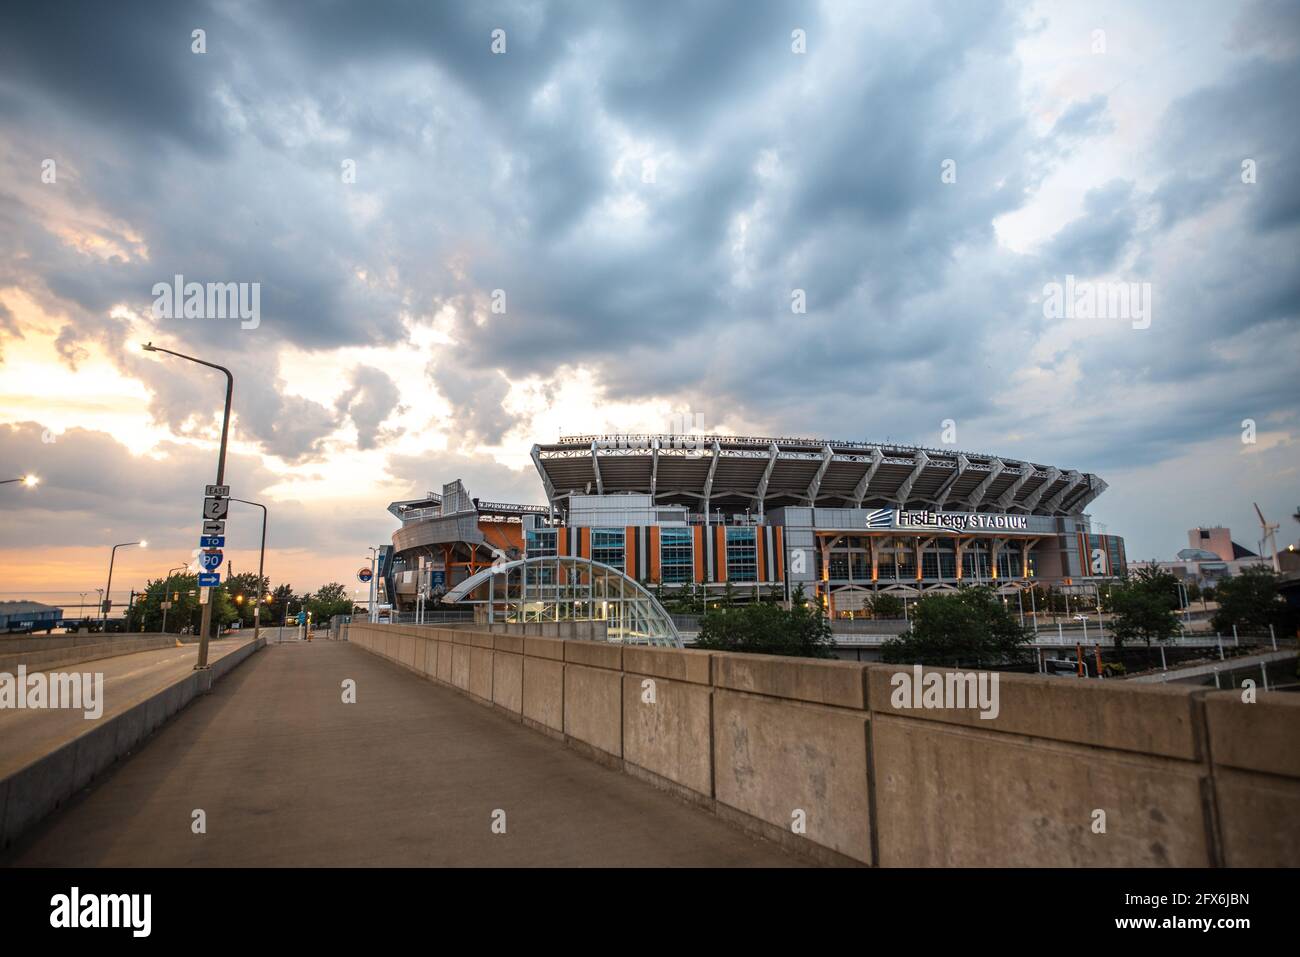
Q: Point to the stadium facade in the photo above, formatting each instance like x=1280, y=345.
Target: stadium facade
x=764, y=515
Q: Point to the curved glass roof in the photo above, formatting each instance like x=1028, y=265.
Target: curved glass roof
x=569, y=588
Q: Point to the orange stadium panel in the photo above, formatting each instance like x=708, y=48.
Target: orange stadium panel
x=720, y=553
x=652, y=553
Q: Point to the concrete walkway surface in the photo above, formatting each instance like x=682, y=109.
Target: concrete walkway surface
x=412, y=774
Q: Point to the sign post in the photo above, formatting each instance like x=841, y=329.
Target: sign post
x=216, y=503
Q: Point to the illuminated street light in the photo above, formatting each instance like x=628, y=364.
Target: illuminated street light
x=261, y=561
x=30, y=481
x=108, y=589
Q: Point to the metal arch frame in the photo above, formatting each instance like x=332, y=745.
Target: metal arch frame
x=640, y=618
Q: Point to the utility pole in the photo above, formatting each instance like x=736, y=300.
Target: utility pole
x=206, y=621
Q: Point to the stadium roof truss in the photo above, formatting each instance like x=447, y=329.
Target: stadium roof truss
x=570, y=588
x=736, y=472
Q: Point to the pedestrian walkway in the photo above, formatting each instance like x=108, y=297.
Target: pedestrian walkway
x=412, y=774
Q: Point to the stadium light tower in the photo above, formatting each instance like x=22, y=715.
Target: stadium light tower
x=108, y=589
x=206, y=620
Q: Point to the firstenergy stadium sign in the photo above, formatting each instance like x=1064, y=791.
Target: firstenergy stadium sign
x=926, y=520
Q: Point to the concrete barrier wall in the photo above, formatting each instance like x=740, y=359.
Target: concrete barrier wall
x=59, y=652
x=31, y=793
x=820, y=756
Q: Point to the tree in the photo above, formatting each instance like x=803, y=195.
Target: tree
x=181, y=591
x=885, y=605
x=972, y=625
x=183, y=616
x=766, y=628
x=1161, y=584
x=1141, y=613
x=244, y=590
x=328, y=601
x=1250, y=600
x=281, y=597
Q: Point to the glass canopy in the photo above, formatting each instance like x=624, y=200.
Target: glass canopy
x=569, y=588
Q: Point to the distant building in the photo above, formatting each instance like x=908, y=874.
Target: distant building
x=28, y=616
x=1219, y=541
x=1210, y=557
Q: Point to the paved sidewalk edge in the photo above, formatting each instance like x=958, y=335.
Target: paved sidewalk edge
x=32, y=792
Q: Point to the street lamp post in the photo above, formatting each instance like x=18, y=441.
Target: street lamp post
x=206, y=621
x=108, y=589
x=261, y=559
x=374, y=557
x=166, y=600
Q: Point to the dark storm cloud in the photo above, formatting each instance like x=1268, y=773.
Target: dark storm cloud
x=1094, y=243
x=778, y=171
x=126, y=497
x=125, y=66
x=370, y=399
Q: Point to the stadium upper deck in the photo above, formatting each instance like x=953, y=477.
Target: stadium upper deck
x=738, y=473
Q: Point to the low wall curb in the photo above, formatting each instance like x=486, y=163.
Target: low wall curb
x=31, y=793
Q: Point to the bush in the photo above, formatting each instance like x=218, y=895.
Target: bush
x=885, y=605
x=970, y=626
x=1141, y=613
x=1250, y=601
x=764, y=628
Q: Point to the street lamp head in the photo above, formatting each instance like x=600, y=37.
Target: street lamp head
x=149, y=347
x=31, y=481
x=143, y=543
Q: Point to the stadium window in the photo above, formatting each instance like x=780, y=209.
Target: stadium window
x=929, y=564
x=742, y=556
x=607, y=546
x=676, y=556
x=860, y=566
x=541, y=543
x=1007, y=562
x=839, y=567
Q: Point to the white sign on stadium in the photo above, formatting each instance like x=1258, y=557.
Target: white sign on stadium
x=894, y=518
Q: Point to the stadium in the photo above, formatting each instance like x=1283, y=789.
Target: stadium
x=749, y=516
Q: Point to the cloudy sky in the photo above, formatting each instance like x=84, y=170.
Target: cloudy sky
x=462, y=250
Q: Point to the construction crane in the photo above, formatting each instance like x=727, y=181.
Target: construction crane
x=1269, y=536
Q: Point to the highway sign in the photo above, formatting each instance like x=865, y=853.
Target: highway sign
x=209, y=579
x=214, y=528
x=212, y=541
x=211, y=559
x=214, y=508
x=217, y=491
x=364, y=574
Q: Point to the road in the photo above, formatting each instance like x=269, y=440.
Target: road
x=26, y=735
x=412, y=774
